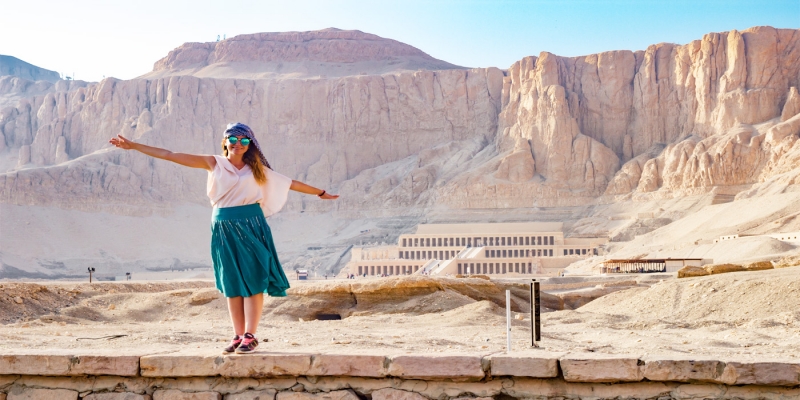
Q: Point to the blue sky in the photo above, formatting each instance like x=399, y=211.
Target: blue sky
x=96, y=38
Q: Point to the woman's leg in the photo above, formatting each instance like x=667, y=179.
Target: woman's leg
x=236, y=310
x=252, y=312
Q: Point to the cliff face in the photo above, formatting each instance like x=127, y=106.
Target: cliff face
x=326, y=53
x=549, y=131
x=723, y=106
x=397, y=140
x=323, y=131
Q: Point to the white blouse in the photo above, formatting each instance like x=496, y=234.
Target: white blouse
x=228, y=186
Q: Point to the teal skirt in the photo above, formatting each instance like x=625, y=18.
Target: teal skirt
x=243, y=253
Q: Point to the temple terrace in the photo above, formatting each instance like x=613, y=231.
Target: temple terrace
x=529, y=248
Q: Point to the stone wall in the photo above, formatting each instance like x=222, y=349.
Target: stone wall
x=530, y=374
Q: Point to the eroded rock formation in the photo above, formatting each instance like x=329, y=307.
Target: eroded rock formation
x=722, y=112
x=721, y=109
x=323, y=131
x=551, y=130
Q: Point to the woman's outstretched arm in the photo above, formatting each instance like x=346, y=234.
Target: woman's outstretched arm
x=189, y=160
x=301, y=187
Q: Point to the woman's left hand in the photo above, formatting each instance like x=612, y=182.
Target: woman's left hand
x=328, y=196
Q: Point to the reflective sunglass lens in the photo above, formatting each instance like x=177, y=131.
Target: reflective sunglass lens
x=234, y=139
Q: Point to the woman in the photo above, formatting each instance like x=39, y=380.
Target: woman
x=243, y=190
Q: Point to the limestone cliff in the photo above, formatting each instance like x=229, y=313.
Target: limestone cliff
x=720, y=105
x=719, y=114
x=549, y=131
x=322, y=131
x=325, y=53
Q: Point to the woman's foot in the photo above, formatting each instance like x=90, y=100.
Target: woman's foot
x=235, y=342
x=249, y=343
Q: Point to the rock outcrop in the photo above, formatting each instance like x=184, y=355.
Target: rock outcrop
x=13, y=89
x=320, y=54
x=323, y=131
x=13, y=66
x=550, y=131
x=397, y=132
x=720, y=105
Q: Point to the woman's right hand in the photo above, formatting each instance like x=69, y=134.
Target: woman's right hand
x=122, y=143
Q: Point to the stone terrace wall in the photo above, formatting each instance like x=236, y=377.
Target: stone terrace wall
x=533, y=374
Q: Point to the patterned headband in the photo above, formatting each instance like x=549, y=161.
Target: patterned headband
x=240, y=129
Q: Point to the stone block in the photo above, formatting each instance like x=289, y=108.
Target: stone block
x=348, y=365
x=7, y=380
x=234, y=366
x=334, y=395
x=26, y=393
x=80, y=384
x=116, y=396
x=723, y=268
x=68, y=365
x=110, y=384
x=394, y=394
x=699, y=391
x=171, y=394
x=449, y=388
x=759, y=266
x=223, y=384
x=204, y=296
x=534, y=364
x=684, y=370
x=530, y=388
x=601, y=368
x=333, y=383
x=456, y=367
x=268, y=394
x=761, y=373
x=688, y=272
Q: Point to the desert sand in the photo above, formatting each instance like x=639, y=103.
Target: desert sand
x=743, y=314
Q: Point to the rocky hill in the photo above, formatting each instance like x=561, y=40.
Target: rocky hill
x=15, y=67
x=551, y=137
x=326, y=53
x=13, y=89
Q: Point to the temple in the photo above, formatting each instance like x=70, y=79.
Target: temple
x=529, y=248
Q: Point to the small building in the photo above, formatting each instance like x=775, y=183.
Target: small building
x=726, y=237
x=627, y=266
x=783, y=236
x=302, y=274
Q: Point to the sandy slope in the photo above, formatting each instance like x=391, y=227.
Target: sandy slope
x=750, y=314
x=689, y=225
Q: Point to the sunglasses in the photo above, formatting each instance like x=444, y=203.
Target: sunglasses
x=234, y=139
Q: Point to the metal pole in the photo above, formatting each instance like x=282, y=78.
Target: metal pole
x=536, y=321
x=508, y=321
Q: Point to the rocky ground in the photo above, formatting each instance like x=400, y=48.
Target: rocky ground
x=746, y=314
